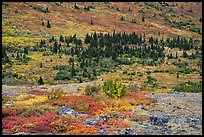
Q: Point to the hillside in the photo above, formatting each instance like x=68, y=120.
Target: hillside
x=22, y=21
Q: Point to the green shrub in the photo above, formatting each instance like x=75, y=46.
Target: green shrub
x=188, y=87
x=125, y=72
x=90, y=90
x=156, y=70
x=114, y=89
x=150, y=80
x=139, y=74
x=132, y=87
x=148, y=72
x=131, y=73
x=62, y=75
x=131, y=78
x=187, y=70
x=180, y=64
x=41, y=9
x=10, y=74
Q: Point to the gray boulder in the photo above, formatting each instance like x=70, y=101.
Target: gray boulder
x=67, y=111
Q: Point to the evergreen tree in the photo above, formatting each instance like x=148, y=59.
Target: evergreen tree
x=122, y=18
x=143, y=19
x=72, y=52
x=185, y=55
x=48, y=24
x=87, y=39
x=177, y=75
x=43, y=23
x=176, y=55
x=41, y=65
x=133, y=21
x=55, y=47
x=73, y=73
x=61, y=38
x=50, y=40
x=129, y=9
x=94, y=72
x=17, y=56
x=40, y=81
x=200, y=19
x=76, y=7
x=59, y=47
x=91, y=22
x=26, y=50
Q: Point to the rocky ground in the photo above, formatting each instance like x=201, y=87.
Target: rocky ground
x=174, y=113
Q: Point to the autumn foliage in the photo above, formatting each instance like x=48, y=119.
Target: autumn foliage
x=38, y=112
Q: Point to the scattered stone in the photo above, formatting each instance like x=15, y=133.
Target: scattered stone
x=159, y=120
x=90, y=123
x=102, y=119
x=129, y=131
x=67, y=111
x=101, y=132
x=9, y=103
x=22, y=133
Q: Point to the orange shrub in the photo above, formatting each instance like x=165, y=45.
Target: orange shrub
x=113, y=124
x=83, y=130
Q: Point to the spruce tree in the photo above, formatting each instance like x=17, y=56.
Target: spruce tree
x=122, y=18
x=43, y=23
x=48, y=24
x=177, y=75
x=143, y=19
x=200, y=19
x=61, y=38
x=73, y=73
x=40, y=81
x=91, y=22
x=55, y=47
x=41, y=65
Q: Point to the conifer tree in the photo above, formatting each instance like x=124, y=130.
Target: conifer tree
x=122, y=18
x=40, y=81
x=48, y=24
x=91, y=22
x=43, y=23
x=55, y=47
x=143, y=19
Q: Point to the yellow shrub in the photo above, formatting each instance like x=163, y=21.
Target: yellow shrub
x=24, y=97
x=56, y=94
x=32, y=101
x=118, y=105
x=36, y=110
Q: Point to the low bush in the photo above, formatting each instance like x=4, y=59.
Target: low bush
x=62, y=76
x=132, y=87
x=180, y=64
x=114, y=89
x=131, y=73
x=31, y=101
x=187, y=70
x=90, y=90
x=35, y=110
x=150, y=80
x=41, y=9
x=56, y=93
x=188, y=87
x=5, y=99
